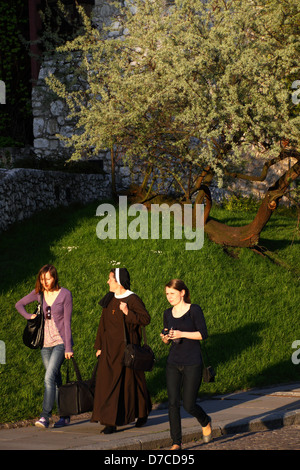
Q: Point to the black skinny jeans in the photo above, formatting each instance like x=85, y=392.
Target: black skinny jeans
x=187, y=378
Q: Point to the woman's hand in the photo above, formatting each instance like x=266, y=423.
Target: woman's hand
x=98, y=352
x=68, y=355
x=124, y=308
x=33, y=316
x=165, y=338
x=175, y=334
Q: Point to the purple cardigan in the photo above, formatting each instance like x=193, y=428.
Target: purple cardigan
x=61, y=309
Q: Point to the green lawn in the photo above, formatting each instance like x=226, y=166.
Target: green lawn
x=251, y=303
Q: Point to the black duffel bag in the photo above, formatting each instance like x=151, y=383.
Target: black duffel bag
x=77, y=397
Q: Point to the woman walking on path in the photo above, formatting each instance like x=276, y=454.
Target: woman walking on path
x=58, y=342
x=184, y=326
x=121, y=394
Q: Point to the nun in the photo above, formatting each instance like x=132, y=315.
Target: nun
x=121, y=395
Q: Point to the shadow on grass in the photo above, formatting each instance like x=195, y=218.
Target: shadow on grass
x=26, y=246
x=277, y=245
x=217, y=350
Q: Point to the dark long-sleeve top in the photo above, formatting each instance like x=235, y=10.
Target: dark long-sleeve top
x=61, y=310
x=187, y=351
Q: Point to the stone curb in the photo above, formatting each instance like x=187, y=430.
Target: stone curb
x=162, y=440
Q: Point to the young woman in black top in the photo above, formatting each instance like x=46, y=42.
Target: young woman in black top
x=184, y=326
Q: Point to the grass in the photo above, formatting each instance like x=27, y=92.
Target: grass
x=251, y=303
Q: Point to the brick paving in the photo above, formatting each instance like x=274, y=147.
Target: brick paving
x=284, y=438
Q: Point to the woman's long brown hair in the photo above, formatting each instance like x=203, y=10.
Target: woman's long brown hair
x=45, y=269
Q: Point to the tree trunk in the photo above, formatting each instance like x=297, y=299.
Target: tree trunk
x=248, y=235
x=113, y=173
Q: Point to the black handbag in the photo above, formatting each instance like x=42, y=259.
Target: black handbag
x=33, y=334
x=138, y=357
x=77, y=397
x=208, y=374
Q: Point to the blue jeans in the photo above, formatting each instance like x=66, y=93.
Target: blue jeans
x=187, y=379
x=52, y=358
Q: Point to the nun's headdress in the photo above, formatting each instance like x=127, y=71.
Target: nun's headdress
x=122, y=277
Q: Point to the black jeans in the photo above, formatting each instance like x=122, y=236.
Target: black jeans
x=187, y=378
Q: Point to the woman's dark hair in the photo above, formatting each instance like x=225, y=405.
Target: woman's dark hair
x=179, y=285
x=45, y=269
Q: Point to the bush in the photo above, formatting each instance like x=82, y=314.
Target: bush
x=240, y=203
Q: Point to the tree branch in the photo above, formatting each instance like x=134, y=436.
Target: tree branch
x=264, y=172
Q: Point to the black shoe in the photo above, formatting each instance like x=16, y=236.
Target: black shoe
x=108, y=430
x=141, y=421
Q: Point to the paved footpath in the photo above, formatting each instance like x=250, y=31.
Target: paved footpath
x=283, y=438
x=241, y=420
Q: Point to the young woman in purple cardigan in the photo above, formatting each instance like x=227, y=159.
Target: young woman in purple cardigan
x=58, y=342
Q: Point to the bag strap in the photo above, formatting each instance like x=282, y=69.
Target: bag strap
x=40, y=304
x=78, y=375
x=95, y=369
x=143, y=332
x=143, y=328
x=202, y=357
x=201, y=344
x=125, y=336
x=205, y=351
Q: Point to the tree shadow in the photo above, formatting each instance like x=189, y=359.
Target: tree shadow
x=26, y=246
x=218, y=349
x=271, y=416
x=222, y=347
x=276, y=245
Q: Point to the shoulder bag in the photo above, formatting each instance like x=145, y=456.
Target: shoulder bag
x=208, y=372
x=33, y=334
x=138, y=357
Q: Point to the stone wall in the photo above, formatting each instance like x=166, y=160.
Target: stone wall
x=50, y=113
x=23, y=192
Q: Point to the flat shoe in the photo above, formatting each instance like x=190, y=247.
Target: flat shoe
x=175, y=447
x=42, y=423
x=208, y=437
x=140, y=422
x=108, y=430
x=62, y=422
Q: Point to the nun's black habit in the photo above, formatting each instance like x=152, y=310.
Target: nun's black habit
x=121, y=393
